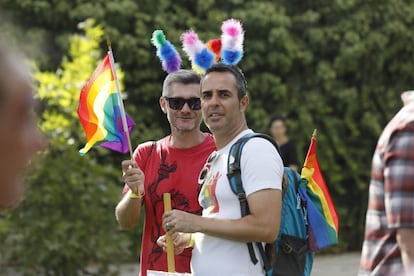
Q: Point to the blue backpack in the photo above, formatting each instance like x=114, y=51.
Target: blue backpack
x=288, y=255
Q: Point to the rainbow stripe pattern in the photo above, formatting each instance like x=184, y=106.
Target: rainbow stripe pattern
x=322, y=216
x=99, y=111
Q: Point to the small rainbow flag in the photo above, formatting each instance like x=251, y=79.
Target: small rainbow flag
x=100, y=113
x=322, y=216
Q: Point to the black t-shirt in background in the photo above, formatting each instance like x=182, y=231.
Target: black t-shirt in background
x=288, y=153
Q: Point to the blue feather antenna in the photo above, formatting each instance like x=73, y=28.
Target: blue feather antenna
x=166, y=52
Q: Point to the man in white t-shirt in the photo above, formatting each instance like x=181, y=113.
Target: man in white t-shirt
x=220, y=234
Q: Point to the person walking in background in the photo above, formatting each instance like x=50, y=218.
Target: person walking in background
x=221, y=233
x=388, y=247
x=169, y=165
x=277, y=128
x=20, y=137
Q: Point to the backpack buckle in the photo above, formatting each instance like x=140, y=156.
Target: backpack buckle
x=287, y=248
x=233, y=168
x=242, y=197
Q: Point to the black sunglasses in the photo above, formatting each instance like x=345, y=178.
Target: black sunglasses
x=177, y=103
x=203, y=173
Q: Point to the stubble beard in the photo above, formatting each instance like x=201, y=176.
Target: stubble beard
x=187, y=127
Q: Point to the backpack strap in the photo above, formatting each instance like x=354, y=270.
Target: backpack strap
x=234, y=176
x=234, y=173
x=290, y=172
x=236, y=185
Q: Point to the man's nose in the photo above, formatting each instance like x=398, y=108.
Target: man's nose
x=215, y=99
x=186, y=107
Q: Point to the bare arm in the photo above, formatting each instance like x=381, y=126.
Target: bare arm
x=261, y=225
x=406, y=243
x=294, y=167
x=128, y=210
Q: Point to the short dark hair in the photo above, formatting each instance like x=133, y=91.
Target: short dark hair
x=180, y=76
x=241, y=82
x=276, y=117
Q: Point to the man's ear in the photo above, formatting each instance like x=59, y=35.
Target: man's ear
x=163, y=105
x=244, y=102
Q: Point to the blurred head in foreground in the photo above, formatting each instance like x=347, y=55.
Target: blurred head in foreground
x=20, y=138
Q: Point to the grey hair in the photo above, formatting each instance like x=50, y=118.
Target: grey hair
x=180, y=76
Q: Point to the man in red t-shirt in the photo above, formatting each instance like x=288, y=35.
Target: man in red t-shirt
x=171, y=164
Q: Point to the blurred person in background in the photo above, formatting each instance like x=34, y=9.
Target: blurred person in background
x=388, y=247
x=278, y=129
x=20, y=137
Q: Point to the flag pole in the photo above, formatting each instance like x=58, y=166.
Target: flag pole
x=118, y=90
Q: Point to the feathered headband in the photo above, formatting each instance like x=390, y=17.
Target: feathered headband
x=170, y=58
x=232, y=38
x=227, y=49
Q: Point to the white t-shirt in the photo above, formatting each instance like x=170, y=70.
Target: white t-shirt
x=261, y=168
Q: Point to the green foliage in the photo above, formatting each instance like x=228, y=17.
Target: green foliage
x=338, y=66
x=67, y=221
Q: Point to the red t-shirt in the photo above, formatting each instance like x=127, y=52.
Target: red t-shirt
x=172, y=170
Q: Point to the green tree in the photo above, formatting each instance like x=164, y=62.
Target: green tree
x=338, y=66
x=342, y=68
x=67, y=221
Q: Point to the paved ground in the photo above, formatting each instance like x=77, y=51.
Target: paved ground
x=324, y=265
x=336, y=265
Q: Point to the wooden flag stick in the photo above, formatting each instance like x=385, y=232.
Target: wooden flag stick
x=170, y=246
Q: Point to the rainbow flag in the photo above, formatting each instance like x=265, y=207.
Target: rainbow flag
x=99, y=111
x=322, y=216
